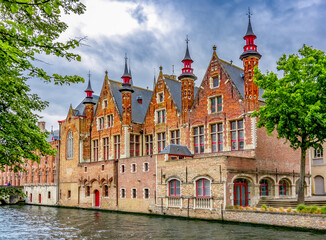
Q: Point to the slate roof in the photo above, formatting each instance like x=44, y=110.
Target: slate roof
x=80, y=109
x=178, y=150
x=249, y=29
x=138, y=110
x=174, y=87
x=236, y=74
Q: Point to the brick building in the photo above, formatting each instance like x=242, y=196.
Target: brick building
x=39, y=179
x=179, y=149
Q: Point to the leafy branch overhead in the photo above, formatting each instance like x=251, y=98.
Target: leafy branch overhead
x=296, y=103
x=31, y=27
x=28, y=30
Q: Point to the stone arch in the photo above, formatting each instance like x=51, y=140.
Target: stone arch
x=285, y=188
x=173, y=177
x=266, y=186
x=92, y=181
x=173, y=186
x=208, y=177
x=243, y=189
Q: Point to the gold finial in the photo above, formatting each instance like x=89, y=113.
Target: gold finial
x=106, y=72
x=214, y=48
x=161, y=68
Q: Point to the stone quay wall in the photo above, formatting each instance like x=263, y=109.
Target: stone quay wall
x=295, y=220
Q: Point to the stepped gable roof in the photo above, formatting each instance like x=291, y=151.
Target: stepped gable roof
x=138, y=110
x=177, y=150
x=80, y=109
x=174, y=87
x=53, y=136
x=236, y=74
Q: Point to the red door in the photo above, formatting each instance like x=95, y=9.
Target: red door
x=31, y=197
x=40, y=198
x=241, y=192
x=97, y=198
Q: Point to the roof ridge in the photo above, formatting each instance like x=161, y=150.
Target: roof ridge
x=132, y=85
x=173, y=79
x=230, y=64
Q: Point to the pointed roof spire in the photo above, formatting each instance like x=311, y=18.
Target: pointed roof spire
x=187, y=55
x=249, y=29
x=89, y=87
x=154, y=82
x=126, y=72
x=131, y=82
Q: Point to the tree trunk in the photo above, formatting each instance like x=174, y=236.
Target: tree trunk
x=302, y=176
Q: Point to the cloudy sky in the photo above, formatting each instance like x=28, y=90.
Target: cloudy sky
x=153, y=33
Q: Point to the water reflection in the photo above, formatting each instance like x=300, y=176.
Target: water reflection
x=33, y=222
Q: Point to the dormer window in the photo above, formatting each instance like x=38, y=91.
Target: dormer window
x=214, y=81
x=110, y=120
x=105, y=103
x=140, y=99
x=216, y=104
x=161, y=116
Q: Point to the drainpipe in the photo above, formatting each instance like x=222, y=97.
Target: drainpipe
x=58, y=166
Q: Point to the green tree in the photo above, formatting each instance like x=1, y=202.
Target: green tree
x=296, y=103
x=28, y=30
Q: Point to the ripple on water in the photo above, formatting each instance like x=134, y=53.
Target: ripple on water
x=33, y=222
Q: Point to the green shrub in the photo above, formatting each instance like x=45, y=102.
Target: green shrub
x=313, y=209
x=264, y=207
x=237, y=207
x=323, y=210
x=301, y=208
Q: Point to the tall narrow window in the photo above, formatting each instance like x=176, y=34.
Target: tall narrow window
x=146, y=193
x=134, y=145
x=216, y=104
x=217, y=137
x=110, y=120
x=100, y=123
x=203, y=188
x=117, y=146
x=123, y=193
x=106, y=190
x=133, y=193
x=175, y=137
x=106, y=148
x=216, y=82
x=160, y=141
x=264, y=188
x=69, y=194
x=237, y=135
x=88, y=191
x=199, y=139
x=174, y=188
x=70, y=141
x=149, y=144
x=95, y=150
x=161, y=116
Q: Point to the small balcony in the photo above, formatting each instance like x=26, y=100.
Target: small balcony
x=175, y=202
x=202, y=203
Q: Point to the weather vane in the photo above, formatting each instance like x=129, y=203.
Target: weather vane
x=249, y=13
x=187, y=39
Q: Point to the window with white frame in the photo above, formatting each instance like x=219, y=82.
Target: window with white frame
x=217, y=137
x=70, y=144
x=203, y=188
x=174, y=188
x=160, y=141
x=145, y=167
x=216, y=81
x=175, y=137
x=237, y=135
x=106, y=148
x=134, y=145
x=318, y=153
x=133, y=167
x=110, y=120
x=216, y=104
x=105, y=103
x=160, y=97
x=160, y=116
x=100, y=123
x=133, y=193
x=95, y=150
x=122, y=193
x=122, y=168
x=149, y=144
x=146, y=193
x=199, y=142
x=117, y=146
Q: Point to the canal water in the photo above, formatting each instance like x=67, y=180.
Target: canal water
x=36, y=222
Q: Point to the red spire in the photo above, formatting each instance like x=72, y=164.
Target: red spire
x=89, y=91
x=187, y=61
x=126, y=75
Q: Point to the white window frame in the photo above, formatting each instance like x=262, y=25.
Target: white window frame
x=121, y=168
x=156, y=115
x=149, y=193
x=132, y=193
x=125, y=191
x=131, y=168
x=144, y=170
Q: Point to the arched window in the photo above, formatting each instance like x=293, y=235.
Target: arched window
x=106, y=190
x=319, y=185
x=264, y=188
x=284, y=188
x=174, y=188
x=203, y=188
x=70, y=141
x=241, y=192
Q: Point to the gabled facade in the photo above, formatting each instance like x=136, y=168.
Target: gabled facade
x=212, y=156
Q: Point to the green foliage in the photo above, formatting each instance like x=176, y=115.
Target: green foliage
x=323, y=210
x=301, y=208
x=28, y=30
x=313, y=209
x=5, y=192
x=296, y=103
x=264, y=206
